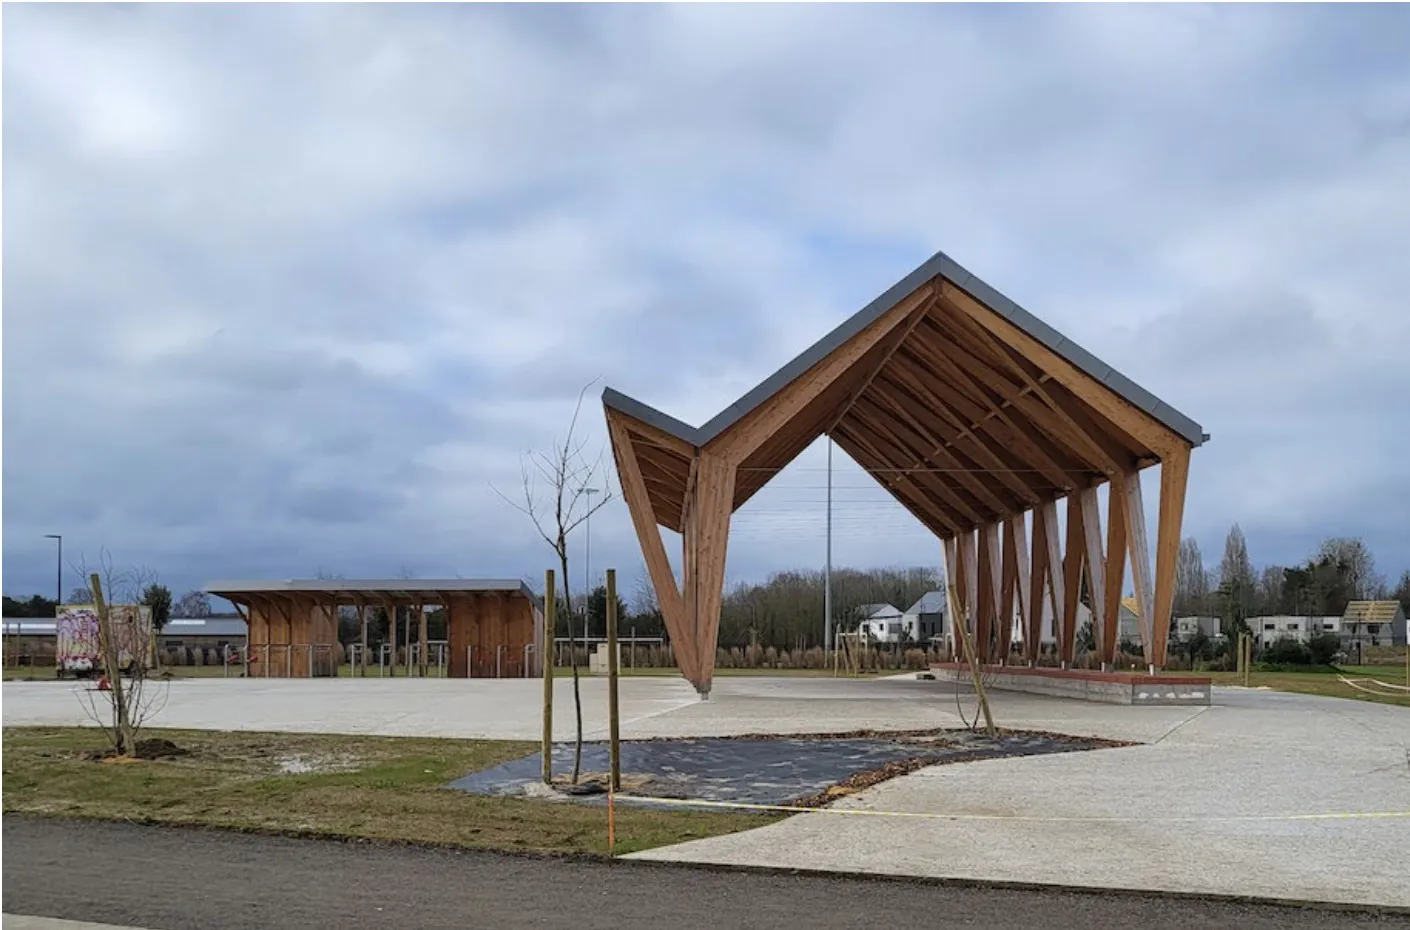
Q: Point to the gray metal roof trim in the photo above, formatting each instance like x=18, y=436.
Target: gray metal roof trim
x=650, y=415
x=938, y=265
x=1087, y=362
x=375, y=585
x=822, y=348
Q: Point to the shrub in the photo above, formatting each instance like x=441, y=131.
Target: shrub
x=1286, y=652
x=1323, y=648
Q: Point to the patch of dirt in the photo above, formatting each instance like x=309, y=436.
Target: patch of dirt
x=144, y=750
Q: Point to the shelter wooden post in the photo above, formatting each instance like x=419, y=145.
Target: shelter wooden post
x=362, y=649
x=1096, y=570
x=1038, y=588
x=391, y=609
x=421, y=657
x=1072, y=572
x=1174, y=476
x=1116, y=532
x=706, y=538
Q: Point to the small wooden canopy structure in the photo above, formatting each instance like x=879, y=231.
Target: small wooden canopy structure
x=494, y=626
x=973, y=414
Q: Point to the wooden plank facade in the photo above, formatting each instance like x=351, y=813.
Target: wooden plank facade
x=978, y=418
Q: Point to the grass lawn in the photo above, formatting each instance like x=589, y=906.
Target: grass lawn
x=1321, y=681
x=386, y=788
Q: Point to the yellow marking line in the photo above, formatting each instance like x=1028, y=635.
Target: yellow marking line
x=862, y=812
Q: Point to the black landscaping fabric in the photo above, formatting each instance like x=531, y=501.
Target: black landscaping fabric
x=774, y=770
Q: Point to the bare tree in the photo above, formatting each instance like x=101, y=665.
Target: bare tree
x=193, y=604
x=1359, y=565
x=555, y=498
x=126, y=641
x=1191, y=580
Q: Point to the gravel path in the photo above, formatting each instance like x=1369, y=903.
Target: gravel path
x=170, y=879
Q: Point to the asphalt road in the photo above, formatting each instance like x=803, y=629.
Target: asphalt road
x=171, y=879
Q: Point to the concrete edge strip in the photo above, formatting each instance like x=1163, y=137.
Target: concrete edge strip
x=920, y=815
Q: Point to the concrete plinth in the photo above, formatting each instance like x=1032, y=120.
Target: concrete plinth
x=1084, y=685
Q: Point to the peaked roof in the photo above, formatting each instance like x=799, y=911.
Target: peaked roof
x=931, y=602
x=965, y=406
x=1373, y=612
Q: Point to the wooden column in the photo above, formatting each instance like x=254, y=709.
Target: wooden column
x=658, y=565
x=362, y=625
x=1037, y=588
x=422, y=664
x=1116, y=528
x=1072, y=572
x=705, y=537
x=391, y=609
x=1096, y=568
x=1155, y=623
x=1008, y=583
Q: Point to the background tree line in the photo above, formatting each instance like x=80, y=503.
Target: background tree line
x=1342, y=569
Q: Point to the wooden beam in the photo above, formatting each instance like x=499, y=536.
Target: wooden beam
x=926, y=484
x=1139, y=424
x=1115, y=566
x=1017, y=529
x=1008, y=583
x=1174, y=477
x=973, y=426
x=1135, y=513
x=910, y=443
x=658, y=565
x=1072, y=571
x=706, y=540
x=923, y=509
x=1038, y=585
x=991, y=590
x=746, y=435
x=969, y=568
x=1057, y=584
x=1096, y=566
x=960, y=472
x=897, y=338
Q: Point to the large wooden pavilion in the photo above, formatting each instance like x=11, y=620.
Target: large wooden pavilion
x=978, y=418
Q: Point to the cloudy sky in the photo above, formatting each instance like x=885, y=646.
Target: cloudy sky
x=289, y=288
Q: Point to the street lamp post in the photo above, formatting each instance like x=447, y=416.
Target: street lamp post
x=59, y=574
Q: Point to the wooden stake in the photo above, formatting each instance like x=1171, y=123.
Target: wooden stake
x=549, y=613
x=615, y=743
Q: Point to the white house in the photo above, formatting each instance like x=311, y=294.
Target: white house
x=882, y=623
x=924, y=622
x=1283, y=626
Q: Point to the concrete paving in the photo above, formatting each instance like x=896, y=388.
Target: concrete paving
x=1209, y=803
x=1210, y=806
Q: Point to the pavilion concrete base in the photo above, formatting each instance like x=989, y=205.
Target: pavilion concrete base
x=1084, y=685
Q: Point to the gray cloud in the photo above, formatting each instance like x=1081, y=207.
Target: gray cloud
x=288, y=287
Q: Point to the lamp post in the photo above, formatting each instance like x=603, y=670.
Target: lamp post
x=59, y=574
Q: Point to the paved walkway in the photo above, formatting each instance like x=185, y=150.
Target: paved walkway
x=169, y=879
x=1210, y=803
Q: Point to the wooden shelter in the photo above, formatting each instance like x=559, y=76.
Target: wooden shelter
x=494, y=627
x=979, y=419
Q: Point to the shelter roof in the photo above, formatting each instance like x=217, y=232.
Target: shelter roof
x=964, y=405
x=400, y=590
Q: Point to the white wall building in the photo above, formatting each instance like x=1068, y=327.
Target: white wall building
x=882, y=623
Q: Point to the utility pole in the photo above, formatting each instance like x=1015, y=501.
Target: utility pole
x=827, y=571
